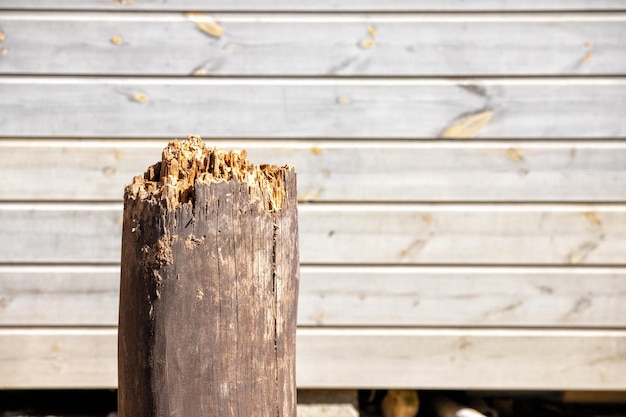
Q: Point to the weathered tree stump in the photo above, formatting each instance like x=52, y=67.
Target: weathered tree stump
x=209, y=285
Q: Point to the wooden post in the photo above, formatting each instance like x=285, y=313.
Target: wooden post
x=209, y=285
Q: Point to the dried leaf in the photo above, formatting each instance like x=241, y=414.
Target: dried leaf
x=371, y=30
x=588, y=56
x=4, y=51
x=140, y=97
x=468, y=126
x=343, y=100
x=116, y=40
x=315, y=150
x=206, y=24
x=588, y=44
x=368, y=43
x=2, y=36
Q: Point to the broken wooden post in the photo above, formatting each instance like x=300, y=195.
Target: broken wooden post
x=209, y=284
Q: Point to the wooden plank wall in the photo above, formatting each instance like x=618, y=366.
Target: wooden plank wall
x=462, y=178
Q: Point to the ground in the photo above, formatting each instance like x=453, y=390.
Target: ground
x=103, y=403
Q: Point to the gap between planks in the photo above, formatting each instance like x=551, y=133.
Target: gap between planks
x=362, y=6
x=352, y=331
x=432, y=269
x=373, y=207
x=156, y=144
x=309, y=81
x=317, y=17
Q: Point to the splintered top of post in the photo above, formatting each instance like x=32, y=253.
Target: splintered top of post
x=182, y=164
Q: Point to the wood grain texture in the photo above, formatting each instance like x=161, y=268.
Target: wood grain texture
x=341, y=171
x=355, y=296
x=347, y=358
x=482, y=359
x=355, y=234
x=319, y=5
x=527, y=217
x=59, y=296
x=492, y=297
x=317, y=45
x=308, y=108
x=477, y=234
x=208, y=301
x=61, y=358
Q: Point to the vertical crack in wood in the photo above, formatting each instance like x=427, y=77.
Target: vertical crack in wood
x=237, y=301
x=275, y=229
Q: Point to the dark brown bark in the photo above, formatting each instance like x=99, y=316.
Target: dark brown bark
x=209, y=287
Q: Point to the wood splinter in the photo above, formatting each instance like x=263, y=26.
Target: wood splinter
x=209, y=285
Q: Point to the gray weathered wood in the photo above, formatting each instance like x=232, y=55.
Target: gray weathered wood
x=459, y=234
x=442, y=358
x=372, y=308
x=51, y=358
x=319, y=5
x=347, y=358
x=493, y=297
x=334, y=171
x=354, y=296
x=94, y=233
x=355, y=234
x=317, y=45
x=311, y=108
x=59, y=296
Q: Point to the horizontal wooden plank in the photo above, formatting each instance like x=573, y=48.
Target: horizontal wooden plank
x=58, y=358
x=460, y=234
x=453, y=359
x=506, y=297
x=354, y=234
x=317, y=45
x=354, y=296
x=59, y=296
x=318, y=5
x=356, y=358
x=312, y=108
x=333, y=171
